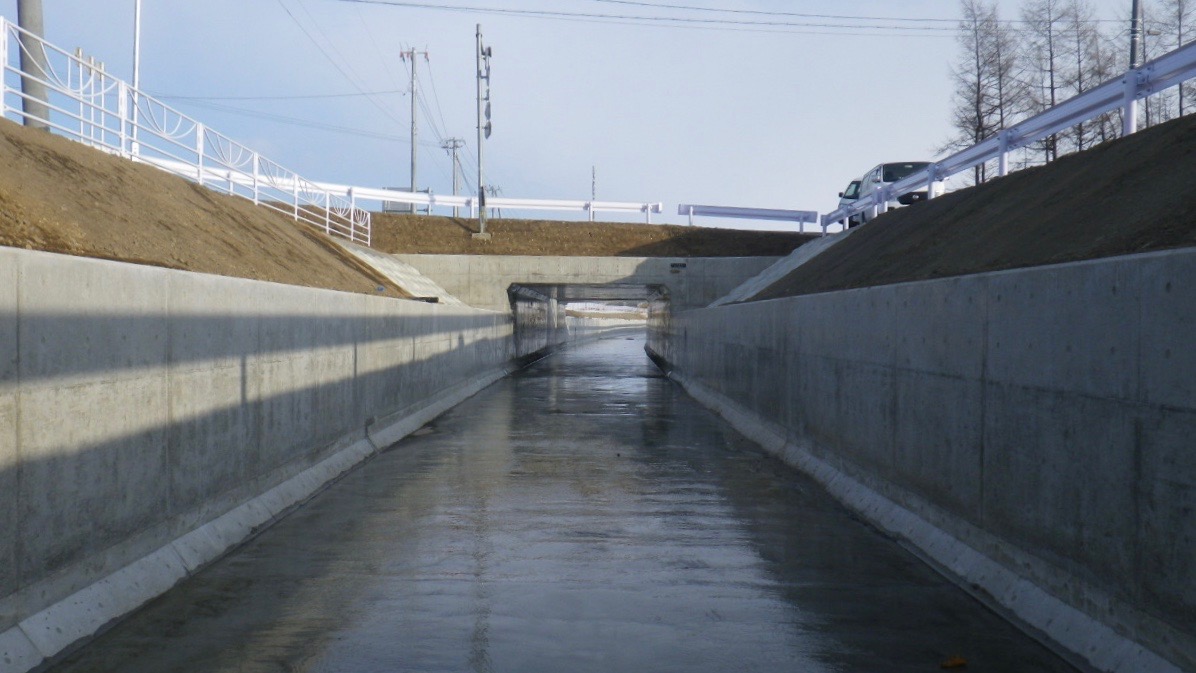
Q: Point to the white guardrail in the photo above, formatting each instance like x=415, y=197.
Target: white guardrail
x=87, y=104
x=773, y=214
x=1151, y=78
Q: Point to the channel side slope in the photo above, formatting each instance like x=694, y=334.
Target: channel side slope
x=57, y=195
x=1123, y=197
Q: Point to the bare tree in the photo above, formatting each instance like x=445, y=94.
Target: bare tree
x=1083, y=50
x=987, y=94
x=1041, y=54
x=1177, y=26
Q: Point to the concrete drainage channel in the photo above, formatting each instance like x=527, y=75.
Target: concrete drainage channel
x=1028, y=432
x=151, y=420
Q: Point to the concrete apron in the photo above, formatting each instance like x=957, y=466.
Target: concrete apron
x=1078, y=637
x=67, y=624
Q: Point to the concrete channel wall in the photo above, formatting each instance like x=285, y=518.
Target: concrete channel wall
x=481, y=281
x=1030, y=432
x=151, y=419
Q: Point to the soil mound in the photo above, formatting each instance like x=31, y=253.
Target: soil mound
x=61, y=196
x=420, y=234
x=1126, y=196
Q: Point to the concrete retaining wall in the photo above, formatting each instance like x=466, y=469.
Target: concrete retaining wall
x=150, y=419
x=482, y=280
x=1031, y=432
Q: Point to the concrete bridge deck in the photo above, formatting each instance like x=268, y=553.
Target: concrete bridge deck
x=582, y=515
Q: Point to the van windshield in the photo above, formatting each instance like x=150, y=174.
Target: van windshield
x=895, y=172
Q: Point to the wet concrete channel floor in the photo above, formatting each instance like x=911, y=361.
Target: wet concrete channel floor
x=581, y=515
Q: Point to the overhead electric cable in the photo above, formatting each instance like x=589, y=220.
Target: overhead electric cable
x=333, y=61
x=315, y=96
x=659, y=20
x=296, y=121
x=758, y=12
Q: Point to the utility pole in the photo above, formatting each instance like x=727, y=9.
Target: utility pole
x=1129, y=120
x=452, y=145
x=411, y=54
x=35, y=101
x=483, y=72
x=1136, y=35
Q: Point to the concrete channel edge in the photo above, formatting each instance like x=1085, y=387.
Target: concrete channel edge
x=1078, y=637
x=41, y=639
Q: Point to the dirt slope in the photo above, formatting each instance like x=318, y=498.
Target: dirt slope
x=1132, y=195
x=451, y=236
x=60, y=196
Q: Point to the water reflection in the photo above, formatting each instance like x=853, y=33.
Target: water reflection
x=584, y=515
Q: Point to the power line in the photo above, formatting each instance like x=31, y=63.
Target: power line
x=757, y=12
x=316, y=96
x=654, y=20
x=296, y=121
x=804, y=15
x=331, y=60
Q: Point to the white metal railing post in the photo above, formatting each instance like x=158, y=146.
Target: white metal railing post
x=932, y=172
x=691, y=216
x=1129, y=117
x=883, y=196
x=648, y=212
x=228, y=175
x=199, y=151
x=328, y=215
x=822, y=220
x=257, y=199
x=295, y=193
x=122, y=111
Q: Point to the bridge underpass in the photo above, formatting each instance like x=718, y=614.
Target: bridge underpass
x=583, y=514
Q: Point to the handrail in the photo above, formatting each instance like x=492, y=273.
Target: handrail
x=771, y=214
x=1123, y=92
x=88, y=105
x=448, y=201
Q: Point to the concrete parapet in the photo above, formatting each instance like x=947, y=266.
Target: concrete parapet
x=1029, y=431
x=150, y=419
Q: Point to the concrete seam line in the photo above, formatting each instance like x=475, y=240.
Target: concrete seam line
x=17, y=651
x=1069, y=628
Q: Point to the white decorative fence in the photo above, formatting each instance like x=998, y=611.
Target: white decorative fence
x=87, y=104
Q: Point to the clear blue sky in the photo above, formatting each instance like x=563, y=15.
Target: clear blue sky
x=739, y=115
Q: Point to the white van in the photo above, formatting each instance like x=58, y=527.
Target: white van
x=885, y=175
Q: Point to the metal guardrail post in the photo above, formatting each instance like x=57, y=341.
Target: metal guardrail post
x=295, y=194
x=1003, y=156
x=1129, y=117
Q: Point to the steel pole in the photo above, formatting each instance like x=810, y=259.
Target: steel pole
x=481, y=182
x=414, y=129
x=36, y=97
